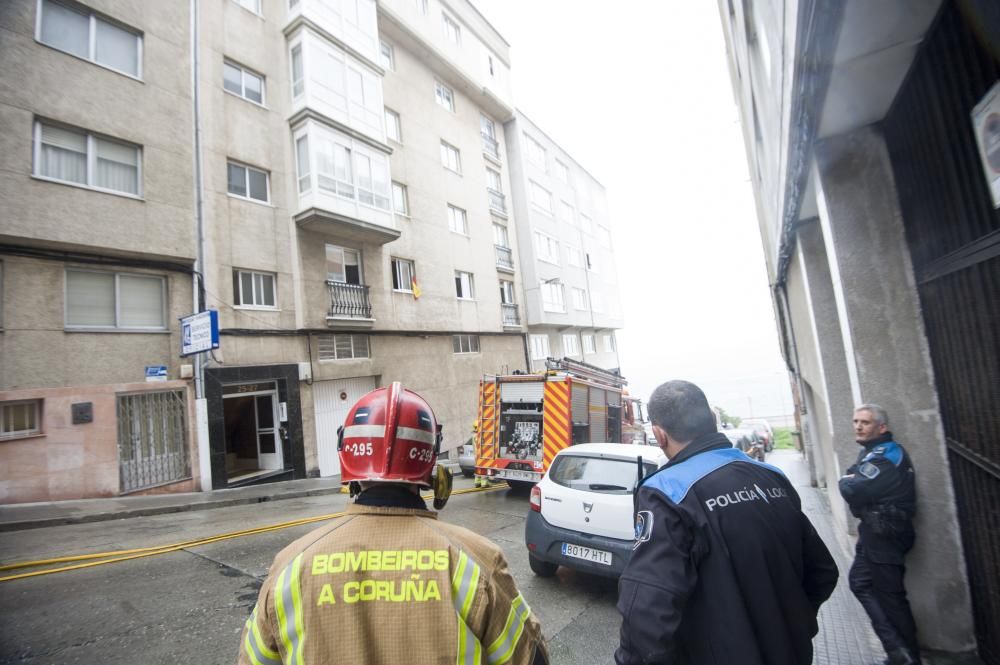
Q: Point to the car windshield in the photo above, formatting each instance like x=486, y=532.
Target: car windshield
x=597, y=474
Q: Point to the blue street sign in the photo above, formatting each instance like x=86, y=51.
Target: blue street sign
x=199, y=332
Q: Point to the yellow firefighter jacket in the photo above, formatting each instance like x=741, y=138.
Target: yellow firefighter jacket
x=387, y=585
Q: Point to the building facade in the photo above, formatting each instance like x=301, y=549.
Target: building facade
x=571, y=290
x=332, y=177
x=864, y=124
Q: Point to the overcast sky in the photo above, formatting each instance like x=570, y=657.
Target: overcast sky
x=638, y=92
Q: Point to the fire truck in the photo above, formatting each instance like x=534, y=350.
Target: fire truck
x=525, y=419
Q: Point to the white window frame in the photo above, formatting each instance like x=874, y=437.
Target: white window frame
x=536, y=152
x=395, y=274
x=238, y=288
x=461, y=279
x=457, y=217
x=539, y=347
x=404, y=197
x=573, y=256
x=447, y=150
x=452, y=30
x=553, y=298
x=92, y=139
x=464, y=344
x=494, y=180
x=507, y=293
x=609, y=343
x=246, y=181
x=298, y=84
x=36, y=417
x=421, y=6
x=244, y=71
x=444, y=96
x=117, y=327
x=344, y=252
x=392, y=120
x=580, y=298
x=562, y=171
x=547, y=248
x=256, y=3
x=535, y=191
x=303, y=164
x=589, y=346
x=93, y=19
x=501, y=237
x=566, y=213
x=571, y=345
x=356, y=352
x=386, y=59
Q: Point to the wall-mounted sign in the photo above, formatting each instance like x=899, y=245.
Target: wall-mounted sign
x=986, y=125
x=199, y=332
x=156, y=373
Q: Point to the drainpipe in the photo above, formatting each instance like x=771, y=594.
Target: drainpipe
x=198, y=285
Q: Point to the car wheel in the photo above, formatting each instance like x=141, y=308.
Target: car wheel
x=541, y=568
x=468, y=473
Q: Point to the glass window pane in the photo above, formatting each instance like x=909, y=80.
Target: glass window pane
x=232, y=78
x=63, y=155
x=117, y=48
x=246, y=284
x=361, y=346
x=237, y=180
x=117, y=167
x=141, y=304
x=90, y=299
x=342, y=346
x=253, y=87
x=302, y=161
x=335, y=263
x=265, y=412
x=297, y=72
x=65, y=29
x=267, y=297
x=258, y=184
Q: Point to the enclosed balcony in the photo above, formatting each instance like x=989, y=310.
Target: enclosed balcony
x=510, y=316
x=349, y=302
x=505, y=258
x=498, y=202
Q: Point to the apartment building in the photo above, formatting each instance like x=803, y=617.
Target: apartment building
x=571, y=300
x=344, y=160
x=870, y=132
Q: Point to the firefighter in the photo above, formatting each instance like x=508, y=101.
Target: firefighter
x=388, y=583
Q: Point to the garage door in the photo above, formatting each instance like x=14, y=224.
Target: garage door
x=332, y=400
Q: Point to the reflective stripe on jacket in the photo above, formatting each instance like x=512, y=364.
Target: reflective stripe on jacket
x=391, y=585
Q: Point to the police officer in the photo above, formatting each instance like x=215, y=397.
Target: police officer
x=725, y=567
x=879, y=489
x=388, y=583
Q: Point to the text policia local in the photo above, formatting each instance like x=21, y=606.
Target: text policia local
x=413, y=589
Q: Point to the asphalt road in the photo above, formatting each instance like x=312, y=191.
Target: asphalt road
x=189, y=606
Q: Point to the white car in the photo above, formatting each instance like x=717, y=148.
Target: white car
x=581, y=510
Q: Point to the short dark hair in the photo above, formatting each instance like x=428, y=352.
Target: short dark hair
x=681, y=409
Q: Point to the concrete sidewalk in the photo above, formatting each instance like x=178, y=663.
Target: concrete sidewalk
x=18, y=516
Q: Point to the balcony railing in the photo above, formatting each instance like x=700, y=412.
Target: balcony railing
x=349, y=301
x=508, y=312
x=505, y=258
x=490, y=146
x=498, y=201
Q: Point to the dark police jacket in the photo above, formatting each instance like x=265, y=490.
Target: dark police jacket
x=879, y=489
x=725, y=569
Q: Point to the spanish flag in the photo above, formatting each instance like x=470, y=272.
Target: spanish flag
x=414, y=287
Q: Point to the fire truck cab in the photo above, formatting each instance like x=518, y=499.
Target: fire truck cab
x=525, y=419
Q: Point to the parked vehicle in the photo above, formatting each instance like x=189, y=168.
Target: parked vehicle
x=763, y=430
x=525, y=419
x=748, y=441
x=633, y=421
x=467, y=458
x=736, y=437
x=581, y=510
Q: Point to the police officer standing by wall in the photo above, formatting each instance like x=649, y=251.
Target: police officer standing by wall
x=388, y=583
x=725, y=568
x=879, y=489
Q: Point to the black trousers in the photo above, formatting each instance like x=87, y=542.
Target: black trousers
x=879, y=588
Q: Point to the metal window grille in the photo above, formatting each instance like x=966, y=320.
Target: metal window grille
x=152, y=439
x=341, y=347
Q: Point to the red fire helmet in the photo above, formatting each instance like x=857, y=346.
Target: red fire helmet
x=389, y=435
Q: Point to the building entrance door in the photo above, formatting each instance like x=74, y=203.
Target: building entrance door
x=253, y=444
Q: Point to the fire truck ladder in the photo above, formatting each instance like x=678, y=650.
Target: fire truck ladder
x=488, y=430
x=585, y=371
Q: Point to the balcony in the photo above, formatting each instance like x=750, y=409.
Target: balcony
x=490, y=146
x=349, y=302
x=498, y=202
x=508, y=312
x=505, y=258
